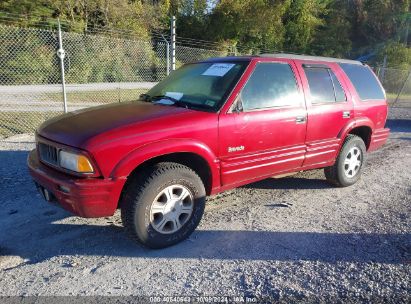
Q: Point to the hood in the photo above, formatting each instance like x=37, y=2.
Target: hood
x=76, y=128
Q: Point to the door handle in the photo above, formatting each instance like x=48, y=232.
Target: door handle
x=300, y=119
x=346, y=114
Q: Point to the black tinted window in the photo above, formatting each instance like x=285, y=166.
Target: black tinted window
x=364, y=81
x=270, y=85
x=320, y=83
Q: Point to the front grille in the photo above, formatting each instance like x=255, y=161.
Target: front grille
x=48, y=154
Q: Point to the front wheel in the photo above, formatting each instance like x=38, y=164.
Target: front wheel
x=349, y=164
x=163, y=204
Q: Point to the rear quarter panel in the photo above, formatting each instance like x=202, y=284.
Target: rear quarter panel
x=375, y=110
x=371, y=113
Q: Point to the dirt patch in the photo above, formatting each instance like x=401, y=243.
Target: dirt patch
x=295, y=238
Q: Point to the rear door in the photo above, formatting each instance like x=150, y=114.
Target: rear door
x=265, y=133
x=329, y=109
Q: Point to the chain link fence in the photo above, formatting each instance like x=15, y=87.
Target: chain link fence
x=185, y=54
x=102, y=69
x=99, y=69
x=27, y=64
x=397, y=84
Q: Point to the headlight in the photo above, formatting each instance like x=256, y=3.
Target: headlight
x=75, y=162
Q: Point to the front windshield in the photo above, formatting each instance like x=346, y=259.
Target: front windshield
x=199, y=85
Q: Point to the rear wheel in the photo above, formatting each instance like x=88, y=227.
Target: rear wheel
x=163, y=204
x=349, y=164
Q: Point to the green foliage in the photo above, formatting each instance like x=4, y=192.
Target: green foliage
x=398, y=55
x=138, y=17
x=27, y=56
x=12, y=123
x=333, y=41
x=104, y=59
x=378, y=21
x=192, y=18
x=399, y=62
x=253, y=24
x=302, y=19
x=27, y=7
x=341, y=28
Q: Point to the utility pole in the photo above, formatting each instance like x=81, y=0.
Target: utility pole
x=173, y=43
x=61, y=54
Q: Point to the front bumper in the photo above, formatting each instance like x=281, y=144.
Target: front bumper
x=86, y=197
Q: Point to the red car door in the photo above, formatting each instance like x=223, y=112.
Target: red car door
x=329, y=108
x=263, y=133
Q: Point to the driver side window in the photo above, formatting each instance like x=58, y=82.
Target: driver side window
x=272, y=84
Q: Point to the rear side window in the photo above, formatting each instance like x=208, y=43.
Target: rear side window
x=364, y=81
x=324, y=85
x=271, y=85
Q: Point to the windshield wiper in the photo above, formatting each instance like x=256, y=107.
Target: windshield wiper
x=176, y=101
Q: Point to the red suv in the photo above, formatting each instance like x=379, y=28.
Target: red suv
x=208, y=127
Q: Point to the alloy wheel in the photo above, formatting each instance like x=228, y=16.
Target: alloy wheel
x=171, y=209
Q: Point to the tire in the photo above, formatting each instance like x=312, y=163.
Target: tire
x=163, y=193
x=349, y=164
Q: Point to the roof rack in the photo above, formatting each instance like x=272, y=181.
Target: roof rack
x=307, y=57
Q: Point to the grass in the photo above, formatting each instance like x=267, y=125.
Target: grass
x=12, y=123
x=110, y=96
x=403, y=101
x=393, y=96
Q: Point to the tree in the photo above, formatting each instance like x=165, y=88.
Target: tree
x=253, y=24
x=342, y=28
x=302, y=19
x=374, y=22
x=191, y=18
x=332, y=37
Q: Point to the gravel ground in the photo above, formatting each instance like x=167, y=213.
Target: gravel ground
x=295, y=238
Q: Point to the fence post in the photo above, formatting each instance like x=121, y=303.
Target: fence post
x=168, y=58
x=377, y=71
x=61, y=54
x=384, y=67
x=167, y=54
x=173, y=43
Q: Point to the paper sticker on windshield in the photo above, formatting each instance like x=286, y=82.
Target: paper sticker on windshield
x=175, y=95
x=164, y=101
x=218, y=69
